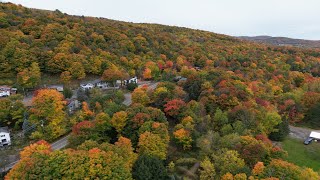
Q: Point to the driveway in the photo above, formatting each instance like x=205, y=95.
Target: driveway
x=300, y=132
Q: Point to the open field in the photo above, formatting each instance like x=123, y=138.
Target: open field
x=303, y=155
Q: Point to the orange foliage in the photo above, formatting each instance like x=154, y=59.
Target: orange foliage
x=147, y=74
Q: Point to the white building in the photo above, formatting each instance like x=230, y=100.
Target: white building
x=87, y=86
x=132, y=80
x=4, y=137
x=5, y=91
x=56, y=87
x=102, y=85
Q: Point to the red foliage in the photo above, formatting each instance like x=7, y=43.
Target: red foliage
x=169, y=64
x=173, y=107
x=139, y=119
x=264, y=139
x=262, y=102
x=76, y=129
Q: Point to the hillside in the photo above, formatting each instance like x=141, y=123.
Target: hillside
x=283, y=41
x=59, y=42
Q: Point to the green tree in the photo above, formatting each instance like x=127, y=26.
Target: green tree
x=220, y=119
x=282, y=132
x=29, y=77
x=152, y=144
x=12, y=111
x=119, y=120
x=207, y=170
x=312, y=116
x=228, y=161
x=149, y=168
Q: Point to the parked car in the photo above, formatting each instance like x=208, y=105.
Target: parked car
x=308, y=140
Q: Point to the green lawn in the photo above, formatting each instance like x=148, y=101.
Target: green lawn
x=303, y=155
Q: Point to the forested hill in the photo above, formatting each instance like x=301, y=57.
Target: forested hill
x=85, y=45
x=283, y=41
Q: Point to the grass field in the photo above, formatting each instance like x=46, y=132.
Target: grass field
x=303, y=155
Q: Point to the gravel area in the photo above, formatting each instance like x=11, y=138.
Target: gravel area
x=300, y=132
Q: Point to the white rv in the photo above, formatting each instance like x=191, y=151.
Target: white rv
x=4, y=137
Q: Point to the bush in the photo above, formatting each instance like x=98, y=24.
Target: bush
x=282, y=133
x=67, y=92
x=132, y=86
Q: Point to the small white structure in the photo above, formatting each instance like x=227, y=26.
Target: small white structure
x=102, y=85
x=56, y=87
x=87, y=86
x=5, y=91
x=315, y=135
x=4, y=137
x=132, y=80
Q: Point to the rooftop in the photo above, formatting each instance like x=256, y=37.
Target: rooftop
x=4, y=129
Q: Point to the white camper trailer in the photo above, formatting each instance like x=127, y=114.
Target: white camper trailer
x=4, y=137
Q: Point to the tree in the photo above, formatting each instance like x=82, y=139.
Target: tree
x=119, y=120
x=27, y=161
x=12, y=111
x=147, y=74
x=29, y=77
x=149, y=168
x=270, y=120
x=228, y=161
x=184, y=138
x=139, y=95
x=282, y=132
x=152, y=144
x=124, y=148
x=312, y=116
x=65, y=77
x=284, y=170
x=112, y=74
x=174, y=107
x=48, y=114
x=77, y=70
x=220, y=119
x=39, y=162
x=207, y=171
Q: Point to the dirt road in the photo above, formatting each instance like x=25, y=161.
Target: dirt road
x=300, y=132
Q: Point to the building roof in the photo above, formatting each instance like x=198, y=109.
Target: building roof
x=6, y=88
x=4, y=129
x=315, y=135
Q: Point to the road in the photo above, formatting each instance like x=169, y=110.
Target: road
x=63, y=142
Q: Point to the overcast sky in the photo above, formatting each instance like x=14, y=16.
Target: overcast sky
x=289, y=18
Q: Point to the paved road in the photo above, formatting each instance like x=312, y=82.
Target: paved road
x=61, y=143
x=127, y=99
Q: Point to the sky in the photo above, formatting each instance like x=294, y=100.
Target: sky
x=286, y=18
